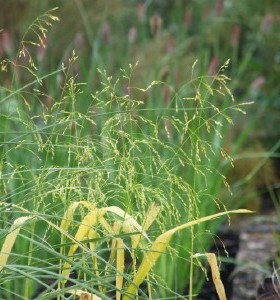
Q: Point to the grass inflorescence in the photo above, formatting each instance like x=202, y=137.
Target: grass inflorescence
x=93, y=187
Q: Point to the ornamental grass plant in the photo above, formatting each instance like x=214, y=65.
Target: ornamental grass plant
x=95, y=184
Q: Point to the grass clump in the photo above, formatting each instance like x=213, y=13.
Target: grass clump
x=93, y=190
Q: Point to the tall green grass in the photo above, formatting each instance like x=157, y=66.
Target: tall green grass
x=61, y=145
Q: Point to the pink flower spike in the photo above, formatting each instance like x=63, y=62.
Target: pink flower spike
x=1, y=47
x=132, y=35
x=7, y=42
x=141, y=11
x=155, y=23
x=170, y=44
x=80, y=41
x=106, y=34
x=42, y=49
x=205, y=12
x=219, y=7
x=188, y=16
x=257, y=84
x=267, y=22
x=214, y=66
x=235, y=36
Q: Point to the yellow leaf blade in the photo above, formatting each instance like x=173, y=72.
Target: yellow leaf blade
x=119, y=267
x=151, y=215
x=159, y=246
x=118, y=211
x=212, y=260
x=10, y=240
x=87, y=223
x=69, y=214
